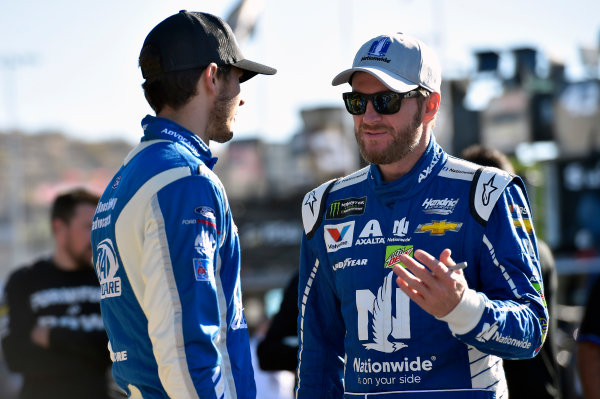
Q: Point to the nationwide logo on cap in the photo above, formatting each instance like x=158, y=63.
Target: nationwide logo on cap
x=380, y=47
x=378, y=50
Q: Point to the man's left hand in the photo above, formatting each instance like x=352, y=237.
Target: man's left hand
x=430, y=284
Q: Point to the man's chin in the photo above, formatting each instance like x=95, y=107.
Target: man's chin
x=223, y=137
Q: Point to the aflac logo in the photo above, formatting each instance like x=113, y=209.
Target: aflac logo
x=380, y=47
x=106, y=269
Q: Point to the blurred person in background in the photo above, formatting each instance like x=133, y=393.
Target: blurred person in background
x=166, y=248
x=538, y=377
x=55, y=337
x=588, y=345
x=384, y=309
x=278, y=350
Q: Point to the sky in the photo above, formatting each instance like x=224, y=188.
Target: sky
x=71, y=66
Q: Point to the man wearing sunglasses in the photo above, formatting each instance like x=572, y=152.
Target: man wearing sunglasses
x=420, y=272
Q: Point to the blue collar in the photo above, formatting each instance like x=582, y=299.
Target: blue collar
x=156, y=128
x=416, y=179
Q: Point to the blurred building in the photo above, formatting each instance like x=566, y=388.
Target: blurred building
x=47, y=164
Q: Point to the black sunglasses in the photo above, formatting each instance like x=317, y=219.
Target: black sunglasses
x=384, y=102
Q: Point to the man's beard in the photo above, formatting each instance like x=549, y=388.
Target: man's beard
x=83, y=259
x=218, y=128
x=403, y=143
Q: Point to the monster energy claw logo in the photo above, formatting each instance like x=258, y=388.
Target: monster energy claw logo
x=346, y=207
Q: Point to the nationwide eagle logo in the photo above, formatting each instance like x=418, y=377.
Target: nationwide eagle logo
x=382, y=324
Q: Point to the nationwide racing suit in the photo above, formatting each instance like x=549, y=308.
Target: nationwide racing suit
x=361, y=336
x=167, y=255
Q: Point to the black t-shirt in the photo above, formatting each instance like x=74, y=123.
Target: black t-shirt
x=590, y=324
x=75, y=364
x=539, y=377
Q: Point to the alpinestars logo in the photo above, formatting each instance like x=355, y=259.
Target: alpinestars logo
x=384, y=324
x=338, y=236
x=488, y=189
x=310, y=201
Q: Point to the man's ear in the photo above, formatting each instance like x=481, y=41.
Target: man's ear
x=432, y=106
x=208, y=79
x=58, y=226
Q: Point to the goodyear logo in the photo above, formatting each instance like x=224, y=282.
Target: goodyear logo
x=438, y=227
x=393, y=253
x=346, y=207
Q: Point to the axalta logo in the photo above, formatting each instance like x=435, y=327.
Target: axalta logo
x=106, y=270
x=338, y=236
x=438, y=227
x=393, y=253
x=370, y=234
x=439, y=206
x=490, y=332
x=349, y=262
x=427, y=171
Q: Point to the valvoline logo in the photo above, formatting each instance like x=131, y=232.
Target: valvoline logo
x=339, y=236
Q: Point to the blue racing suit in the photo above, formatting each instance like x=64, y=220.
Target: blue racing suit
x=167, y=255
x=362, y=337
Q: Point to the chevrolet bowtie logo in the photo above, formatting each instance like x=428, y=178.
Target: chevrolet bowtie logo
x=438, y=227
x=524, y=223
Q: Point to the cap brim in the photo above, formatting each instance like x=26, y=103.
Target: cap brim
x=393, y=82
x=252, y=68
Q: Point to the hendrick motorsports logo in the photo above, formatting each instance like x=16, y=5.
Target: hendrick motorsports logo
x=439, y=206
x=106, y=269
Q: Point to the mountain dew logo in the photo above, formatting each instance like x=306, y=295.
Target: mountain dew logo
x=393, y=253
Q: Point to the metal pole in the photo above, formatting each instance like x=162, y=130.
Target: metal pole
x=16, y=216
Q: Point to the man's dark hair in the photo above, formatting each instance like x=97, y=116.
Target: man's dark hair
x=64, y=205
x=485, y=156
x=173, y=89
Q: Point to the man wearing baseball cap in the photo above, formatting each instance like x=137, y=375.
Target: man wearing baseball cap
x=166, y=248
x=419, y=272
